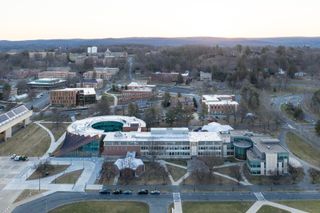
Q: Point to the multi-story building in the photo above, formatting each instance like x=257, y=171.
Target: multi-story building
x=135, y=91
x=70, y=97
x=220, y=104
x=23, y=73
x=92, y=50
x=116, y=135
x=109, y=54
x=60, y=74
x=104, y=73
x=47, y=83
x=91, y=83
x=168, y=77
x=205, y=76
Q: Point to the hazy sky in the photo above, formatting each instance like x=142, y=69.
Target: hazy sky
x=42, y=19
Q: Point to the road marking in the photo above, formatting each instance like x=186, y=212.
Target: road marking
x=259, y=196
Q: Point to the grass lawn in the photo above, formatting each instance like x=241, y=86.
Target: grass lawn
x=271, y=209
x=218, y=207
x=56, y=129
x=52, y=170
x=181, y=162
x=192, y=179
x=154, y=174
x=232, y=171
x=302, y=149
x=69, y=178
x=176, y=172
x=103, y=206
x=312, y=206
x=28, y=193
x=32, y=141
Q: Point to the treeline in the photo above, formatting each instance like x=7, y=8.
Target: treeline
x=235, y=64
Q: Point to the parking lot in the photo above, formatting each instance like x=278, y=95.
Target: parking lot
x=10, y=168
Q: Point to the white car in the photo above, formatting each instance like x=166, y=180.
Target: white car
x=13, y=156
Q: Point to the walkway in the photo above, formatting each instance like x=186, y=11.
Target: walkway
x=258, y=204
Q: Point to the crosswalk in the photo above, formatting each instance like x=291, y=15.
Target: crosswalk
x=177, y=203
x=259, y=196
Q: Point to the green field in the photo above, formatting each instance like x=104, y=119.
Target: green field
x=271, y=209
x=302, y=149
x=31, y=141
x=102, y=207
x=216, y=207
x=311, y=206
x=176, y=172
x=56, y=129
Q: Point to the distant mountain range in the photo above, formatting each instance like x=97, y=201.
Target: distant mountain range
x=154, y=41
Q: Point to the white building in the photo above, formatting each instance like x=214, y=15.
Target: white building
x=205, y=76
x=220, y=104
x=92, y=50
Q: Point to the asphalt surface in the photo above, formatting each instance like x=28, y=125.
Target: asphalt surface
x=157, y=203
x=40, y=102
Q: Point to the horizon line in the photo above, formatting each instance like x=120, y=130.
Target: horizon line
x=157, y=37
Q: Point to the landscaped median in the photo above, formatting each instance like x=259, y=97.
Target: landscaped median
x=102, y=207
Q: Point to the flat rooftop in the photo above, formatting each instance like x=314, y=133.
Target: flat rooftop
x=163, y=134
x=86, y=91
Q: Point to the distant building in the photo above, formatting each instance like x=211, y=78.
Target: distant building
x=92, y=50
x=300, y=75
x=23, y=73
x=91, y=83
x=71, y=97
x=109, y=54
x=47, y=83
x=61, y=74
x=168, y=77
x=205, y=76
x=104, y=73
x=135, y=91
x=220, y=104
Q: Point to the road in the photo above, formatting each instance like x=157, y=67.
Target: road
x=40, y=102
x=157, y=203
x=304, y=129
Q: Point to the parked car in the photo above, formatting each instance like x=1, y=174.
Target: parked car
x=155, y=192
x=104, y=190
x=143, y=192
x=13, y=156
x=127, y=192
x=117, y=192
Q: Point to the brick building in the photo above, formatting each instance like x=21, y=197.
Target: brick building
x=60, y=74
x=220, y=104
x=70, y=97
x=91, y=83
x=104, y=73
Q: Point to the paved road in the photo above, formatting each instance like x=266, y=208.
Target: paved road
x=158, y=204
x=305, y=130
x=41, y=102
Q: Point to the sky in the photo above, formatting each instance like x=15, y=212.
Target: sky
x=61, y=19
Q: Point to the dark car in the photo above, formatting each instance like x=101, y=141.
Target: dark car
x=104, y=191
x=117, y=192
x=127, y=192
x=155, y=192
x=143, y=192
